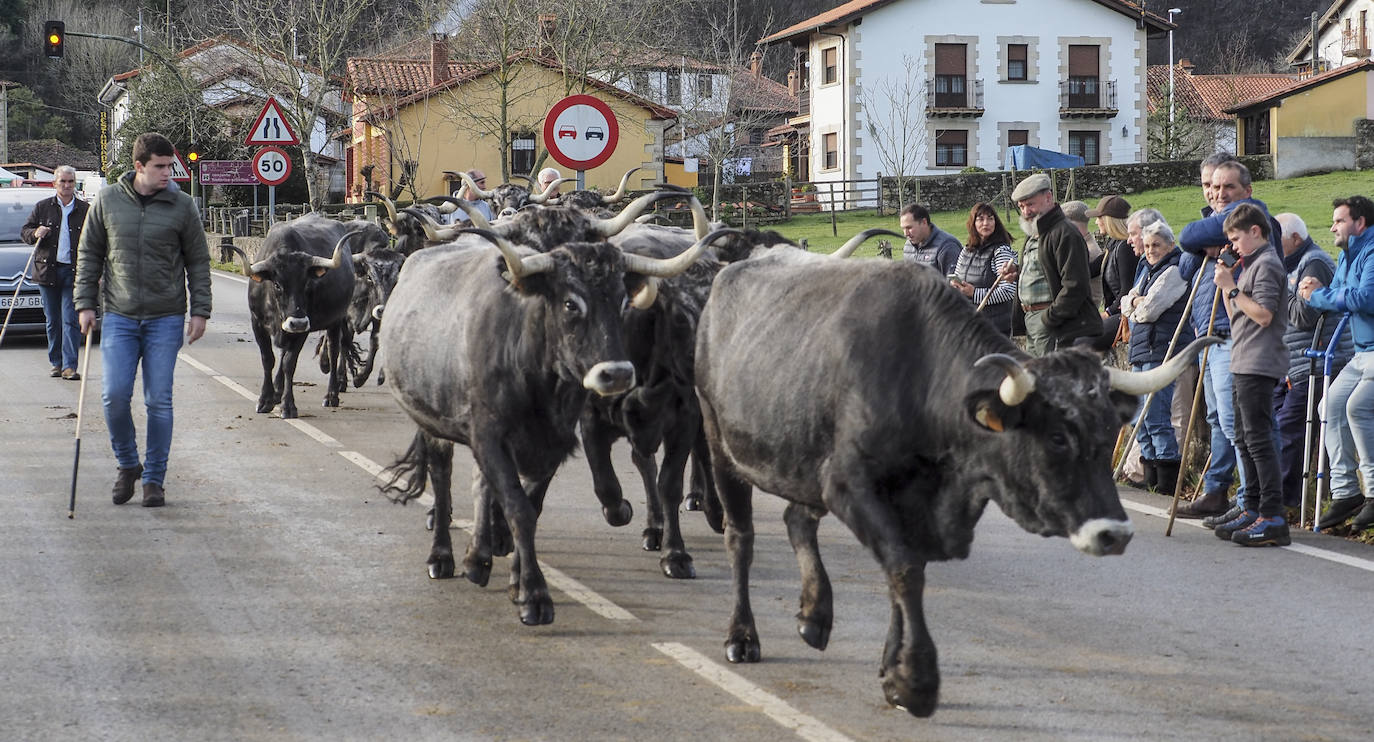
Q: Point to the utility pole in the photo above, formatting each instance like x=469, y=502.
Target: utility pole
x=4, y=120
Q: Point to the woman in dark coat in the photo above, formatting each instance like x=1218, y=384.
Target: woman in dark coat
x=975, y=272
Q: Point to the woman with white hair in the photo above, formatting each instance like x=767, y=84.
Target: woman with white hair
x=1154, y=306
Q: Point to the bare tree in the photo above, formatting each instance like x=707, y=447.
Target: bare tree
x=893, y=108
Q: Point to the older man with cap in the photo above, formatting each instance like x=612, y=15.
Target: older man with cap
x=1052, y=276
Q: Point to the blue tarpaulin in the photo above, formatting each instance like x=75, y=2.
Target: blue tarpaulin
x=1026, y=157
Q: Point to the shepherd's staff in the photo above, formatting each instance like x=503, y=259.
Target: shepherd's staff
x=988, y=295
x=19, y=284
x=1187, y=312
x=80, y=404
x=1192, y=415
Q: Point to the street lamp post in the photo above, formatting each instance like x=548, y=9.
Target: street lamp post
x=1172, y=13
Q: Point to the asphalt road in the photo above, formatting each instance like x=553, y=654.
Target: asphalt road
x=279, y=596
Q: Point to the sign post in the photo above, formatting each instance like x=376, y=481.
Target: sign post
x=271, y=166
x=581, y=132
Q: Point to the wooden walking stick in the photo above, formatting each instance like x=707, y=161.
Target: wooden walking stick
x=19, y=284
x=80, y=404
x=988, y=295
x=1192, y=416
x=1187, y=312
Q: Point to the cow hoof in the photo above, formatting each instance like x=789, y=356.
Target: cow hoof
x=692, y=502
x=737, y=651
x=678, y=566
x=813, y=633
x=359, y=380
x=265, y=405
x=537, y=612
x=653, y=539
x=477, y=571
x=441, y=568
x=917, y=702
x=429, y=520
x=331, y=401
x=620, y=515
x=288, y=413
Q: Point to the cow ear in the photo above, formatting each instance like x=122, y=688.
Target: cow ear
x=1125, y=404
x=319, y=272
x=261, y=276
x=988, y=410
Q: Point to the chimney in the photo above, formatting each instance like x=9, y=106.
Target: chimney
x=548, y=28
x=1186, y=65
x=756, y=63
x=792, y=86
x=438, y=58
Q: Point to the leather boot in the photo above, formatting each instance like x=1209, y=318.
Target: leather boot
x=1212, y=503
x=152, y=495
x=1168, y=476
x=1151, y=473
x=124, y=484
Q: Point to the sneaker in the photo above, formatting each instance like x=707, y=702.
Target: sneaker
x=1240, y=522
x=1231, y=514
x=55, y=372
x=1267, y=530
x=124, y=484
x=1339, y=511
x=70, y=374
x=153, y=495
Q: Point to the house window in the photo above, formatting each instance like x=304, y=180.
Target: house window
x=639, y=82
x=1256, y=129
x=951, y=62
x=1083, y=77
x=830, y=144
x=1085, y=145
x=674, y=88
x=830, y=65
x=951, y=148
x=521, y=152
x=703, y=85
x=1016, y=61
x=1018, y=137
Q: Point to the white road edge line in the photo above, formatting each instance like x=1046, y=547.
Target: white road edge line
x=304, y=427
x=230, y=277
x=775, y=708
x=1312, y=551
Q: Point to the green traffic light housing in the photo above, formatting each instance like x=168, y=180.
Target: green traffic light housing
x=54, y=36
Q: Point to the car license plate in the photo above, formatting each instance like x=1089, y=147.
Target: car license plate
x=22, y=302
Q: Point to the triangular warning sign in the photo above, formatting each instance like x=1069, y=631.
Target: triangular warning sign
x=271, y=128
x=179, y=169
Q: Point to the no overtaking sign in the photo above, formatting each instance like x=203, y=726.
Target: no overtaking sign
x=581, y=132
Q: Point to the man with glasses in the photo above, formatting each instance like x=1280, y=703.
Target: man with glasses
x=465, y=193
x=54, y=228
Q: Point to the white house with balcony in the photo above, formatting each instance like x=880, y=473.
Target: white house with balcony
x=1343, y=36
x=975, y=76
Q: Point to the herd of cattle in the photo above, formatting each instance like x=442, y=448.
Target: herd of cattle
x=865, y=388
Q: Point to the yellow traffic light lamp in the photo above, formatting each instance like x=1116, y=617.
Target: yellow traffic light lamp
x=54, y=36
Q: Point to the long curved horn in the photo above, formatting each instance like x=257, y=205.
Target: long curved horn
x=669, y=267
x=615, y=198
x=243, y=258
x=475, y=216
x=613, y=226
x=390, y=207
x=701, y=224
x=853, y=244
x=472, y=186
x=518, y=266
x=645, y=296
x=525, y=178
x=543, y=197
x=337, y=259
x=1019, y=382
x=433, y=231
x=445, y=203
x=1144, y=382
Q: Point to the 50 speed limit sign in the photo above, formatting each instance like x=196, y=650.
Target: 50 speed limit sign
x=272, y=166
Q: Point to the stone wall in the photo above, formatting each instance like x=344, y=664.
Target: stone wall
x=1364, y=144
x=1088, y=183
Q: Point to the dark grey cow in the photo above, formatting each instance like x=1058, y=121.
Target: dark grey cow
x=497, y=349
x=302, y=282
x=375, y=273
x=871, y=390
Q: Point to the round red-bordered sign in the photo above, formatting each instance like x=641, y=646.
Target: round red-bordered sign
x=581, y=132
x=271, y=166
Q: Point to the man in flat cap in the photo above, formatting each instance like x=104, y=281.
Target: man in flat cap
x=1052, y=275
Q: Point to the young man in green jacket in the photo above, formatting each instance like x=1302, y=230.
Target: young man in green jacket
x=144, y=238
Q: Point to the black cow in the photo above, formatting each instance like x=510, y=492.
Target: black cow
x=497, y=349
x=375, y=273
x=302, y=282
x=870, y=389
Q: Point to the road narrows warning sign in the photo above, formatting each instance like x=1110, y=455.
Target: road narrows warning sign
x=271, y=127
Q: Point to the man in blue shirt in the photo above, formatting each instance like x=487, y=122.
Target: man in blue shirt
x=1350, y=402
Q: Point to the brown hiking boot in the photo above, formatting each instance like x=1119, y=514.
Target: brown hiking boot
x=152, y=495
x=1211, y=503
x=124, y=484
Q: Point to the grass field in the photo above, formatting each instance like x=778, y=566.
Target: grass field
x=1309, y=198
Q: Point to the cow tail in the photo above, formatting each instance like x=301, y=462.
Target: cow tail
x=412, y=466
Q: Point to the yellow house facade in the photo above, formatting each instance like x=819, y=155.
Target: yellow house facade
x=453, y=125
x=1313, y=125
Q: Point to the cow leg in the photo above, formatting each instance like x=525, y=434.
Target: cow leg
x=677, y=447
x=439, y=455
x=334, y=353
x=597, y=438
x=736, y=497
x=286, y=373
x=477, y=561
x=363, y=373
x=536, y=607
x=910, y=673
x=703, y=484
x=817, y=603
x=648, y=475
x=535, y=490
x=267, y=398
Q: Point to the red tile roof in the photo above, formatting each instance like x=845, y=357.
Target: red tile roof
x=1207, y=97
x=1300, y=85
x=49, y=153
x=394, y=76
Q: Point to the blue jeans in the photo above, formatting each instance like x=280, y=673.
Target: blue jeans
x=64, y=334
x=123, y=343
x=1155, y=431
x=1221, y=417
x=1350, y=426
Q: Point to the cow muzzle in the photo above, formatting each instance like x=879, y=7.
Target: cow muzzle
x=377, y=312
x=610, y=377
x=296, y=324
x=1102, y=536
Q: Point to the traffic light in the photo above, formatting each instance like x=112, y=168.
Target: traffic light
x=193, y=154
x=54, y=36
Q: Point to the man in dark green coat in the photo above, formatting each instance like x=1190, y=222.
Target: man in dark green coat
x=143, y=237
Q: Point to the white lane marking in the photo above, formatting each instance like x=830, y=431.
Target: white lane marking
x=304, y=427
x=806, y=727
x=363, y=462
x=314, y=432
x=1304, y=549
x=229, y=277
